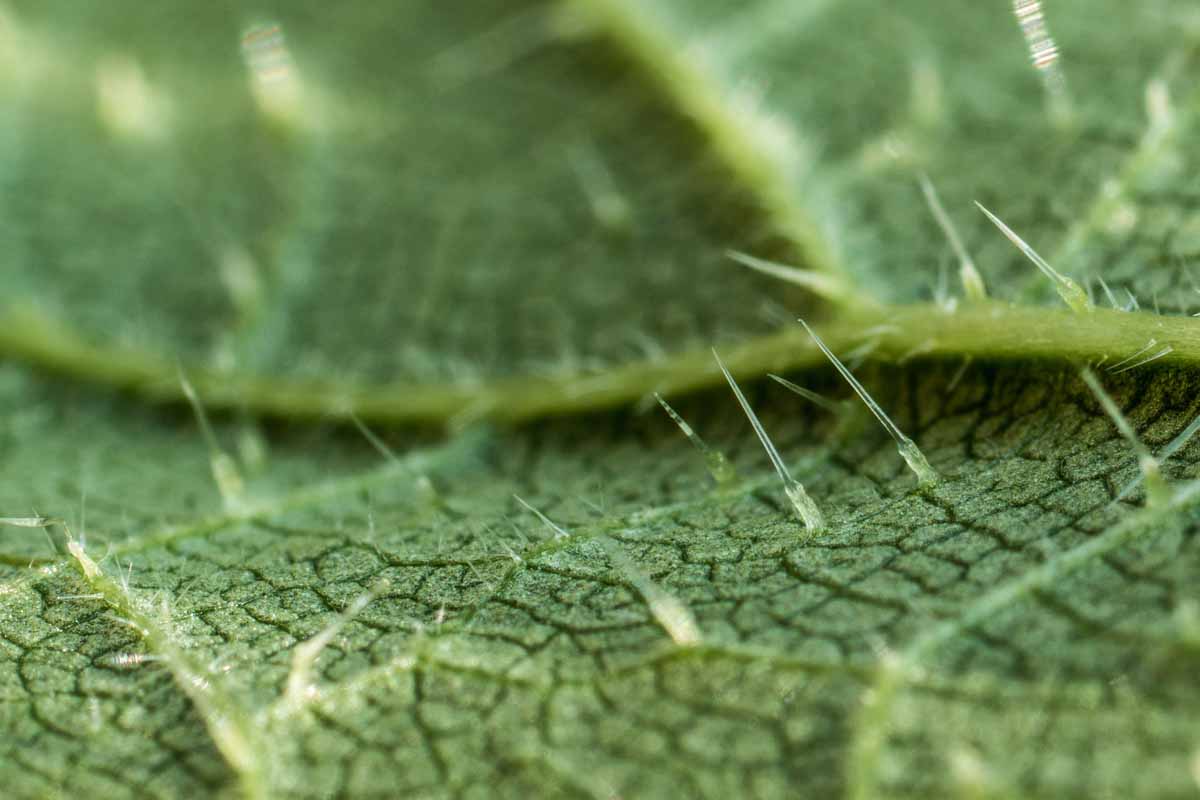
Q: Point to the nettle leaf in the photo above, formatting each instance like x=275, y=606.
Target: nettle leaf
x=345, y=249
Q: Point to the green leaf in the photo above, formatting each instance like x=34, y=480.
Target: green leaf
x=307, y=231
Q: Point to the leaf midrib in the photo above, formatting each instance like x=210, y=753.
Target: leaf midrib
x=990, y=331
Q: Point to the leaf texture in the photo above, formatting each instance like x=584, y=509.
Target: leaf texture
x=517, y=212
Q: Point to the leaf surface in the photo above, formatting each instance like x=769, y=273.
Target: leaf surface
x=515, y=211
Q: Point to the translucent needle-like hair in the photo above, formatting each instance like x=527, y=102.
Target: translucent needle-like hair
x=718, y=465
x=1070, y=291
x=804, y=505
x=908, y=448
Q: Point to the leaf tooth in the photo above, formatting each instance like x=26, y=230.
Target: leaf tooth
x=909, y=451
x=813, y=520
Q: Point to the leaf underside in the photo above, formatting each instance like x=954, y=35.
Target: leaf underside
x=433, y=223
